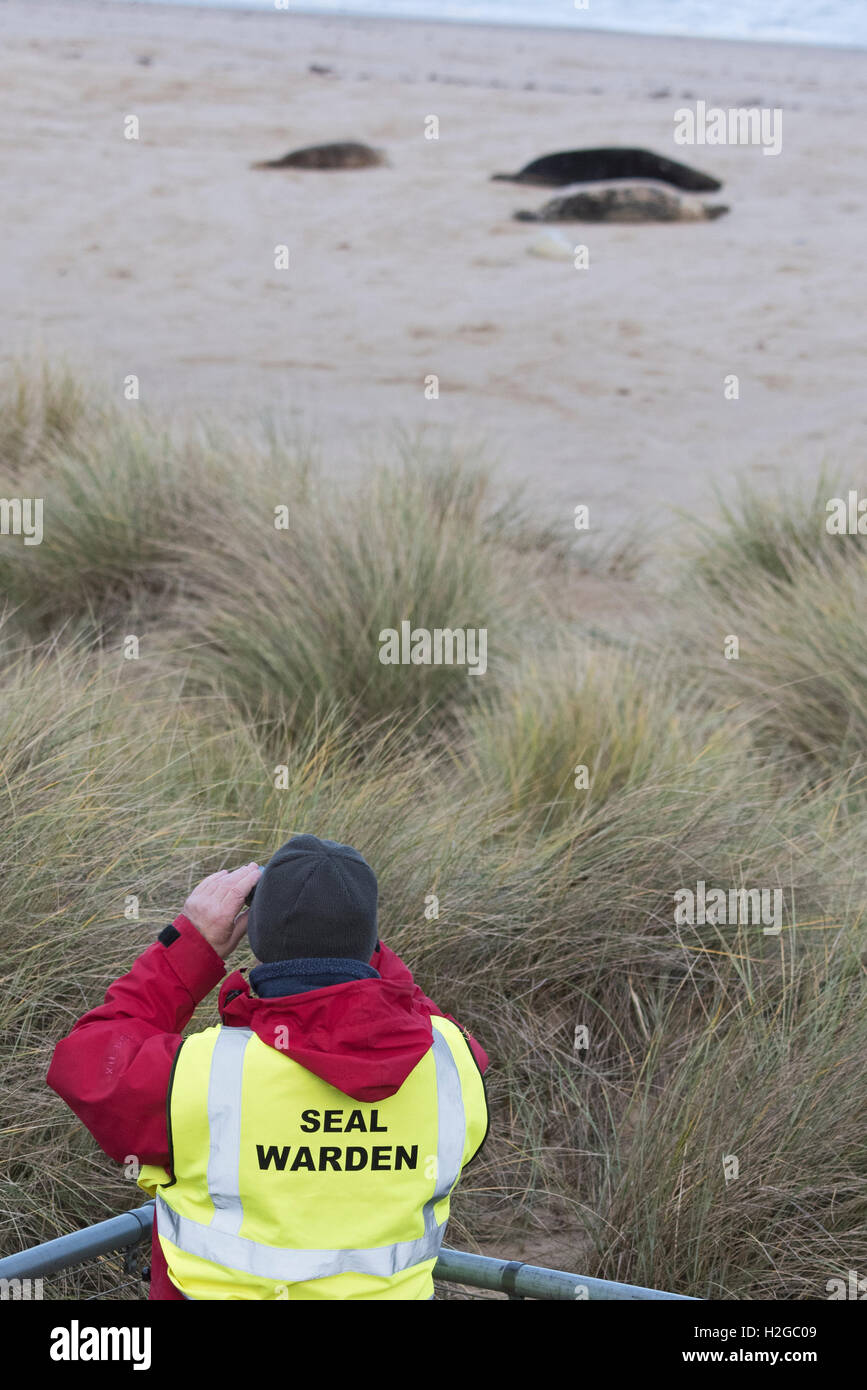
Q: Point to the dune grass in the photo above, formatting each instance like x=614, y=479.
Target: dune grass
x=573, y=726
x=288, y=621
x=769, y=534
x=43, y=406
x=798, y=674
x=630, y=1054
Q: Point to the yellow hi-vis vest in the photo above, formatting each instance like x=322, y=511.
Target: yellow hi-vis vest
x=285, y=1187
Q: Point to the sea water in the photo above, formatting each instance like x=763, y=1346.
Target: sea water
x=842, y=22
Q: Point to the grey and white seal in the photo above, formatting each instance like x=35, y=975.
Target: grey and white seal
x=623, y=203
x=592, y=166
x=346, y=154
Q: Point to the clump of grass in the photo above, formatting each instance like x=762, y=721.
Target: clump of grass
x=805, y=665
x=282, y=588
x=800, y=675
x=107, y=524
x=291, y=621
x=572, y=728
x=763, y=536
x=122, y=510
x=624, y=554
x=42, y=407
x=774, y=1097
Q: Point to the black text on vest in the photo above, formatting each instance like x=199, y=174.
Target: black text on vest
x=380, y=1159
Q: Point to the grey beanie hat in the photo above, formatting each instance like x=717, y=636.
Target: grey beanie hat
x=315, y=898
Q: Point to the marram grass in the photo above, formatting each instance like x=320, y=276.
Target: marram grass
x=632, y=1058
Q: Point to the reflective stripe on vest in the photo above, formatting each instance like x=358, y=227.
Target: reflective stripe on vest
x=220, y=1242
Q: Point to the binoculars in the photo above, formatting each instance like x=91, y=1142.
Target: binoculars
x=249, y=898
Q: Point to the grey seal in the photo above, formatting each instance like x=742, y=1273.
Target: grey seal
x=623, y=203
x=347, y=154
x=591, y=166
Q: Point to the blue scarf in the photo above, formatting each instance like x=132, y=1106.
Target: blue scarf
x=306, y=973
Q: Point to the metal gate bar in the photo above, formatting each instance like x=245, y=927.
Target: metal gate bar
x=513, y=1277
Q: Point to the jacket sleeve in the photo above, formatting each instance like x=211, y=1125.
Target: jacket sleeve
x=113, y=1069
x=391, y=967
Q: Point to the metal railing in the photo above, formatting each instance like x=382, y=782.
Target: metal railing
x=511, y=1277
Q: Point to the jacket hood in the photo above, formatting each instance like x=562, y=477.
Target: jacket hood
x=363, y=1037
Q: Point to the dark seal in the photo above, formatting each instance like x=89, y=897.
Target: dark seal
x=347, y=154
x=592, y=166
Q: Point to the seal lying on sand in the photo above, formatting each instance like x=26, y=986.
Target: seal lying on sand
x=589, y=166
x=623, y=203
x=346, y=155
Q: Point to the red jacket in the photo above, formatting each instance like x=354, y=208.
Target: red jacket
x=363, y=1037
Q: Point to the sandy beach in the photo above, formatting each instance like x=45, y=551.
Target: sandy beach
x=155, y=256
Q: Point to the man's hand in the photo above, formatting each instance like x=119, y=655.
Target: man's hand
x=215, y=906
